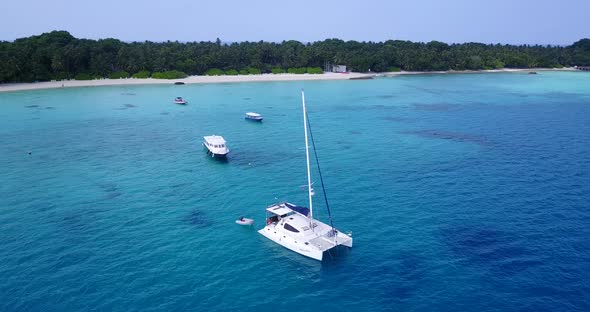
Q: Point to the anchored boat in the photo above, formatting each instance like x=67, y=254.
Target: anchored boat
x=215, y=145
x=294, y=227
x=179, y=100
x=253, y=116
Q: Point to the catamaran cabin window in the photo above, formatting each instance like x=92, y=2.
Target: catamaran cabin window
x=290, y=228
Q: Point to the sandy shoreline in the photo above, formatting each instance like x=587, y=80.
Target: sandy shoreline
x=503, y=70
x=229, y=79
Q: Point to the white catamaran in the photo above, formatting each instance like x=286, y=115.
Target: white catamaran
x=295, y=228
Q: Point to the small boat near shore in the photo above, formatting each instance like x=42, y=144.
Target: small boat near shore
x=253, y=116
x=179, y=100
x=216, y=145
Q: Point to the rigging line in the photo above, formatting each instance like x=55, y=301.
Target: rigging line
x=319, y=170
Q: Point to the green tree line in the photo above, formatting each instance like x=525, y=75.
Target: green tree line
x=58, y=55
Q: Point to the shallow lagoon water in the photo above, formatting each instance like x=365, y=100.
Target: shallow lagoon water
x=463, y=192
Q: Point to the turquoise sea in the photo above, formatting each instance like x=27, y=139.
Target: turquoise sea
x=463, y=193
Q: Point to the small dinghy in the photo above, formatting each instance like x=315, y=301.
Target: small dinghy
x=245, y=221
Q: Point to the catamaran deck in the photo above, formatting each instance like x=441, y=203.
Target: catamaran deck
x=322, y=236
x=326, y=242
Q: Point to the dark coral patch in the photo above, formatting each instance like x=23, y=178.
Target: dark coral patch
x=451, y=136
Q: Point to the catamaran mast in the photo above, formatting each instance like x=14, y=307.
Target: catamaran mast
x=307, y=158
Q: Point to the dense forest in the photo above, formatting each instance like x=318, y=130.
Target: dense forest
x=58, y=55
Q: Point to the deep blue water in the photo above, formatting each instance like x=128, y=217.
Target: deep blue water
x=463, y=193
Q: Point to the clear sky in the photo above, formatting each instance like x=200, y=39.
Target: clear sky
x=489, y=21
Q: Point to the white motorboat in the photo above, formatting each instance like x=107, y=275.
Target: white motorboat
x=294, y=227
x=215, y=145
x=253, y=116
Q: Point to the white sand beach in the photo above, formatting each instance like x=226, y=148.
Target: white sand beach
x=502, y=70
x=240, y=78
x=189, y=80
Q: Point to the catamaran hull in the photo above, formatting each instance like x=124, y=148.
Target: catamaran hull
x=292, y=244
